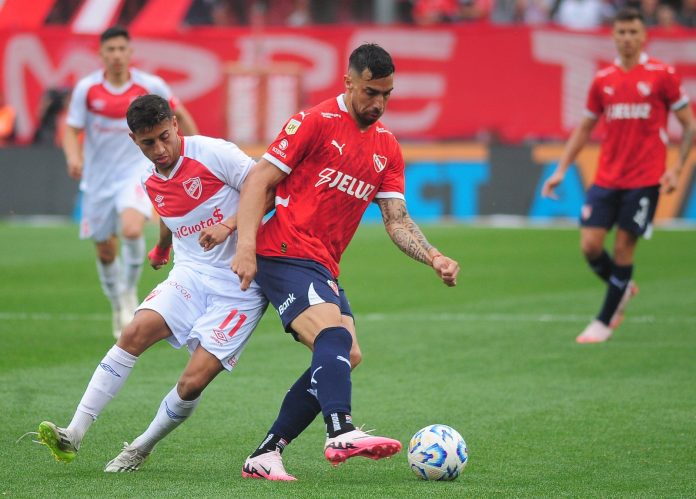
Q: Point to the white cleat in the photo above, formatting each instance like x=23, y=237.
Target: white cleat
x=268, y=465
x=595, y=332
x=129, y=459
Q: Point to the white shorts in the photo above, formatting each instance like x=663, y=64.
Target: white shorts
x=208, y=311
x=101, y=215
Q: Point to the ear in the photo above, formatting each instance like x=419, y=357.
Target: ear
x=348, y=81
x=132, y=136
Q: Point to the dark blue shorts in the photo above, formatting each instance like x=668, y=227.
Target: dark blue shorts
x=631, y=209
x=293, y=284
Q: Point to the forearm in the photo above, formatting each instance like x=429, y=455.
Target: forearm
x=404, y=232
x=685, y=146
x=165, y=236
x=409, y=239
x=71, y=145
x=252, y=207
x=577, y=141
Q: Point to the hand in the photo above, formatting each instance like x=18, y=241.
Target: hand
x=212, y=236
x=446, y=269
x=669, y=181
x=244, y=265
x=75, y=168
x=159, y=256
x=547, y=190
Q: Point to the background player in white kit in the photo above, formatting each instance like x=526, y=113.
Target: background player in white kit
x=109, y=167
x=194, y=185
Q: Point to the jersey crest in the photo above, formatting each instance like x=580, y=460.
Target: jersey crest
x=380, y=162
x=193, y=187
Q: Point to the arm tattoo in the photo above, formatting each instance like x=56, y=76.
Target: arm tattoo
x=403, y=230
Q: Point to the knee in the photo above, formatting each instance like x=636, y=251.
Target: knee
x=190, y=386
x=131, y=231
x=591, y=249
x=355, y=356
x=106, y=255
x=134, y=338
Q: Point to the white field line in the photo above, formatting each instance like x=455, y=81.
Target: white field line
x=392, y=317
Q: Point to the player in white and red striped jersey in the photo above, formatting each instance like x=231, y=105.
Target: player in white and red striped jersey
x=109, y=167
x=325, y=167
x=194, y=185
x=634, y=97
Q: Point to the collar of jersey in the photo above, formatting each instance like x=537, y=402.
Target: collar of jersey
x=341, y=103
x=175, y=170
x=642, y=60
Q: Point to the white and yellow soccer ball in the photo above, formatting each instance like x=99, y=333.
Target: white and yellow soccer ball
x=437, y=452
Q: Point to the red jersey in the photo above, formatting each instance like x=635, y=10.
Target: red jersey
x=635, y=105
x=334, y=171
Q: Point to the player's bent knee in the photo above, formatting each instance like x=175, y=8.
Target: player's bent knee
x=591, y=249
x=355, y=358
x=190, y=387
x=106, y=255
x=140, y=334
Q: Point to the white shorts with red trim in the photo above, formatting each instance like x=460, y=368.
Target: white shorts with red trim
x=208, y=311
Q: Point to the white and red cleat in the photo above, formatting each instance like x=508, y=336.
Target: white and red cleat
x=358, y=443
x=595, y=332
x=268, y=465
x=617, y=318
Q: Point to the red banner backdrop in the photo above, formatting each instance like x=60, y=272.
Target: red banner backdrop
x=470, y=81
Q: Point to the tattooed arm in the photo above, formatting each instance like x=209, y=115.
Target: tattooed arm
x=410, y=239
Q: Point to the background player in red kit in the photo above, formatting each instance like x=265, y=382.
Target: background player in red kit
x=325, y=167
x=634, y=95
x=109, y=166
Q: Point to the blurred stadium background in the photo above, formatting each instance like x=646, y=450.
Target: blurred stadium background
x=486, y=90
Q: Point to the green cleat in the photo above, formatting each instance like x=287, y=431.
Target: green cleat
x=58, y=441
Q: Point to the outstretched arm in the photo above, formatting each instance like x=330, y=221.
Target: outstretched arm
x=410, y=239
x=258, y=187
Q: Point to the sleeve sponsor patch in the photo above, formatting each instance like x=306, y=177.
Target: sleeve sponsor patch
x=292, y=126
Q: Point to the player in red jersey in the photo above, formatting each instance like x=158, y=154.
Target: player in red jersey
x=326, y=165
x=635, y=96
x=109, y=165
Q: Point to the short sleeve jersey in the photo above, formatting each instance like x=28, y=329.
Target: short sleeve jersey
x=111, y=159
x=202, y=191
x=635, y=105
x=334, y=171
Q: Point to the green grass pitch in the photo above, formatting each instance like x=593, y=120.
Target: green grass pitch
x=494, y=357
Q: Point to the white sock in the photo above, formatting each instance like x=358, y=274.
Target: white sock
x=172, y=412
x=133, y=256
x=109, y=274
x=106, y=382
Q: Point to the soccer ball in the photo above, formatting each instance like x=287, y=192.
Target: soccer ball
x=437, y=452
